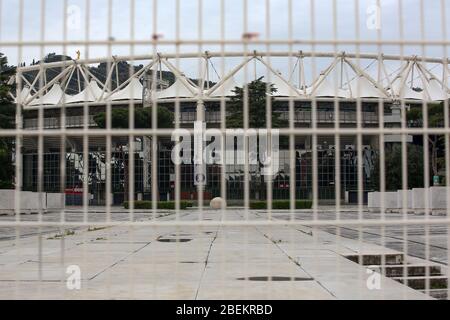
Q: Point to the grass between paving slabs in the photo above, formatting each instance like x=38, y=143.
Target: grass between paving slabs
x=93, y=229
x=281, y=204
x=66, y=233
x=169, y=205
x=70, y=232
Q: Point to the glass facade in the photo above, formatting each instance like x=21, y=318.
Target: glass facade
x=97, y=166
x=96, y=175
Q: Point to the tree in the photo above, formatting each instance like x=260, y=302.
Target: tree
x=257, y=93
x=142, y=120
x=393, y=167
x=436, y=142
x=7, y=121
x=257, y=101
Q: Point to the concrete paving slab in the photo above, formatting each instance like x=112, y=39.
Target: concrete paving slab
x=251, y=290
x=135, y=274
x=212, y=263
x=348, y=280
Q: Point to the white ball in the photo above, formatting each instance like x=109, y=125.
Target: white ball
x=217, y=203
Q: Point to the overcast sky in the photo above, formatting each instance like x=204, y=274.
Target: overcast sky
x=166, y=22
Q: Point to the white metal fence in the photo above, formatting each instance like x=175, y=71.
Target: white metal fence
x=379, y=60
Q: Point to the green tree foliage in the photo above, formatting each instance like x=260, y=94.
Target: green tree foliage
x=6, y=72
x=393, y=167
x=142, y=118
x=7, y=121
x=257, y=102
x=436, y=142
x=257, y=94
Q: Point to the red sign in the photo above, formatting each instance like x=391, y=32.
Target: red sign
x=76, y=191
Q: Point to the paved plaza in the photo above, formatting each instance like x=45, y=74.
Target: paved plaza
x=199, y=261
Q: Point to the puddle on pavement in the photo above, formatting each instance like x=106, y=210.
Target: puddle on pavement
x=276, y=278
x=418, y=276
x=174, y=240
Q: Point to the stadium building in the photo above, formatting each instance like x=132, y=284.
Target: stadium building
x=69, y=94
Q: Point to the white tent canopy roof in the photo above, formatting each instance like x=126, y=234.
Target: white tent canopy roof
x=343, y=78
x=361, y=87
x=133, y=91
x=327, y=89
x=283, y=89
x=404, y=91
x=23, y=95
x=177, y=90
x=52, y=97
x=226, y=89
x=432, y=88
x=91, y=93
x=435, y=90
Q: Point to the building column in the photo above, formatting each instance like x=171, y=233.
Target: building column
x=200, y=170
x=146, y=146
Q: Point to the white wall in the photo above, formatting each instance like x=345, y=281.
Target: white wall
x=29, y=201
x=56, y=200
x=408, y=195
x=373, y=201
x=390, y=200
x=33, y=201
x=6, y=200
x=438, y=198
x=418, y=198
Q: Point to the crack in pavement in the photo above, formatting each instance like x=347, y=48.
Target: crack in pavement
x=296, y=262
x=206, y=263
x=119, y=261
